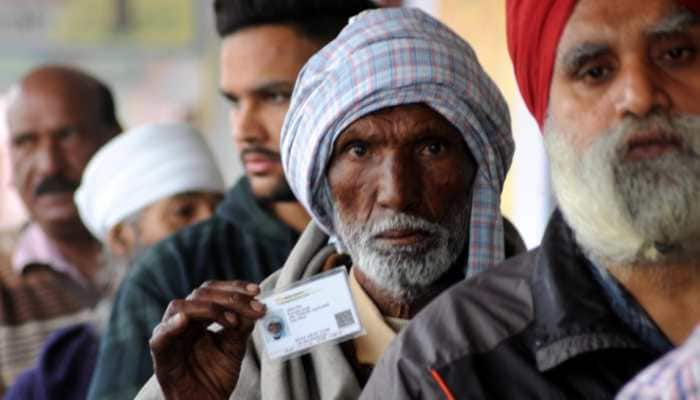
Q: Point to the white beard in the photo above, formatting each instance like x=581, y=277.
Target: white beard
x=623, y=211
x=404, y=272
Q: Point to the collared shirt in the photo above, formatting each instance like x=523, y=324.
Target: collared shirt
x=35, y=247
x=675, y=376
x=33, y=305
x=379, y=330
x=630, y=312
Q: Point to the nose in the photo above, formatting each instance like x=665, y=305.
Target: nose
x=641, y=91
x=49, y=159
x=399, y=188
x=246, y=124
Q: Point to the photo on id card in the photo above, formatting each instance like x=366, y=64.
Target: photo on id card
x=312, y=312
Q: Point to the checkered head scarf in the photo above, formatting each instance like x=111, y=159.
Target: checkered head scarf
x=390, y=57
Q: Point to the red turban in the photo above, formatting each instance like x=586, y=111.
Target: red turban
x=534, y=28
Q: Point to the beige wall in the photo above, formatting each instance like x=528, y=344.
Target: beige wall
x=482, y=24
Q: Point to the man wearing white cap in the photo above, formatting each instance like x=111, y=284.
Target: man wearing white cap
x=140, y=187
x=146, y=184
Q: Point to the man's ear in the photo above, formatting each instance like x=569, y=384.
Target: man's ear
x=121, y=239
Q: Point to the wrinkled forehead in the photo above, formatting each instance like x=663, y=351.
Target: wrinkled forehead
x=401, y=121
x=597, y=26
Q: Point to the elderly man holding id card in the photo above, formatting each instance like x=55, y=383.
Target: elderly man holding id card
x=397, y=143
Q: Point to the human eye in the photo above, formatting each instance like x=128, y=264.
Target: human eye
x=594, y=73
x=233, y=101
x=353, y=149
x=277, y=96
x=235, y=104
x=183, y=211
x=678, y=55
x=433, y=148
x=22, y=141
x=357, y=149
x=66, y=133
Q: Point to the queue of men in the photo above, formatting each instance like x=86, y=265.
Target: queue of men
x=396, y=177
x=167, y=179
x=377, y=134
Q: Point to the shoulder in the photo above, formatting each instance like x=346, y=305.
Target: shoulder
x=40, y=294
x=73, y=347
x=474, y=315
x=191, y=242
x=675, y=374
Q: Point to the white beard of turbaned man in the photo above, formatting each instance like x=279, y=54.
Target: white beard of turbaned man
x=630, y=213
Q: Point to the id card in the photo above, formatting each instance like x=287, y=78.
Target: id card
x=309, y=313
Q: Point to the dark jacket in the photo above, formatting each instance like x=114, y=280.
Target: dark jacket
x=329, y=371
x=536, y=327
x=242, y=241
x=64, y=368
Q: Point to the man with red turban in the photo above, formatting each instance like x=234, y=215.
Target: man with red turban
x=615, y=284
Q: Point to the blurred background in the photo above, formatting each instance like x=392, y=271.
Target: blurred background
x=161, y=59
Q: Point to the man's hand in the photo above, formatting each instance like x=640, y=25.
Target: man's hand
x=192, y=362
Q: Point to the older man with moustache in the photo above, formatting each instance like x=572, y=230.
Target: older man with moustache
x=615, y=283
x=57, y=118
x=397, y=142
x=147, y=184
x=140, y=187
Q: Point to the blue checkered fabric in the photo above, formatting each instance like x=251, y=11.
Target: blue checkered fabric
x=385, y=58
x=674, y=376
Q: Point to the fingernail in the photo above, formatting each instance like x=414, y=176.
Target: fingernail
x=252, y=288
x=257, y=306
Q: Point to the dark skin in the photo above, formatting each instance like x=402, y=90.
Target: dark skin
x=405, y=159
x=55, y=126
x=192, y=362
x=412, y=160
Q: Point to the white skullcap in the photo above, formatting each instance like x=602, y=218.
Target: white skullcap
x=138, y=168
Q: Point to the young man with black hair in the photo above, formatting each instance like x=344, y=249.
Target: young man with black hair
x=265, y=44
